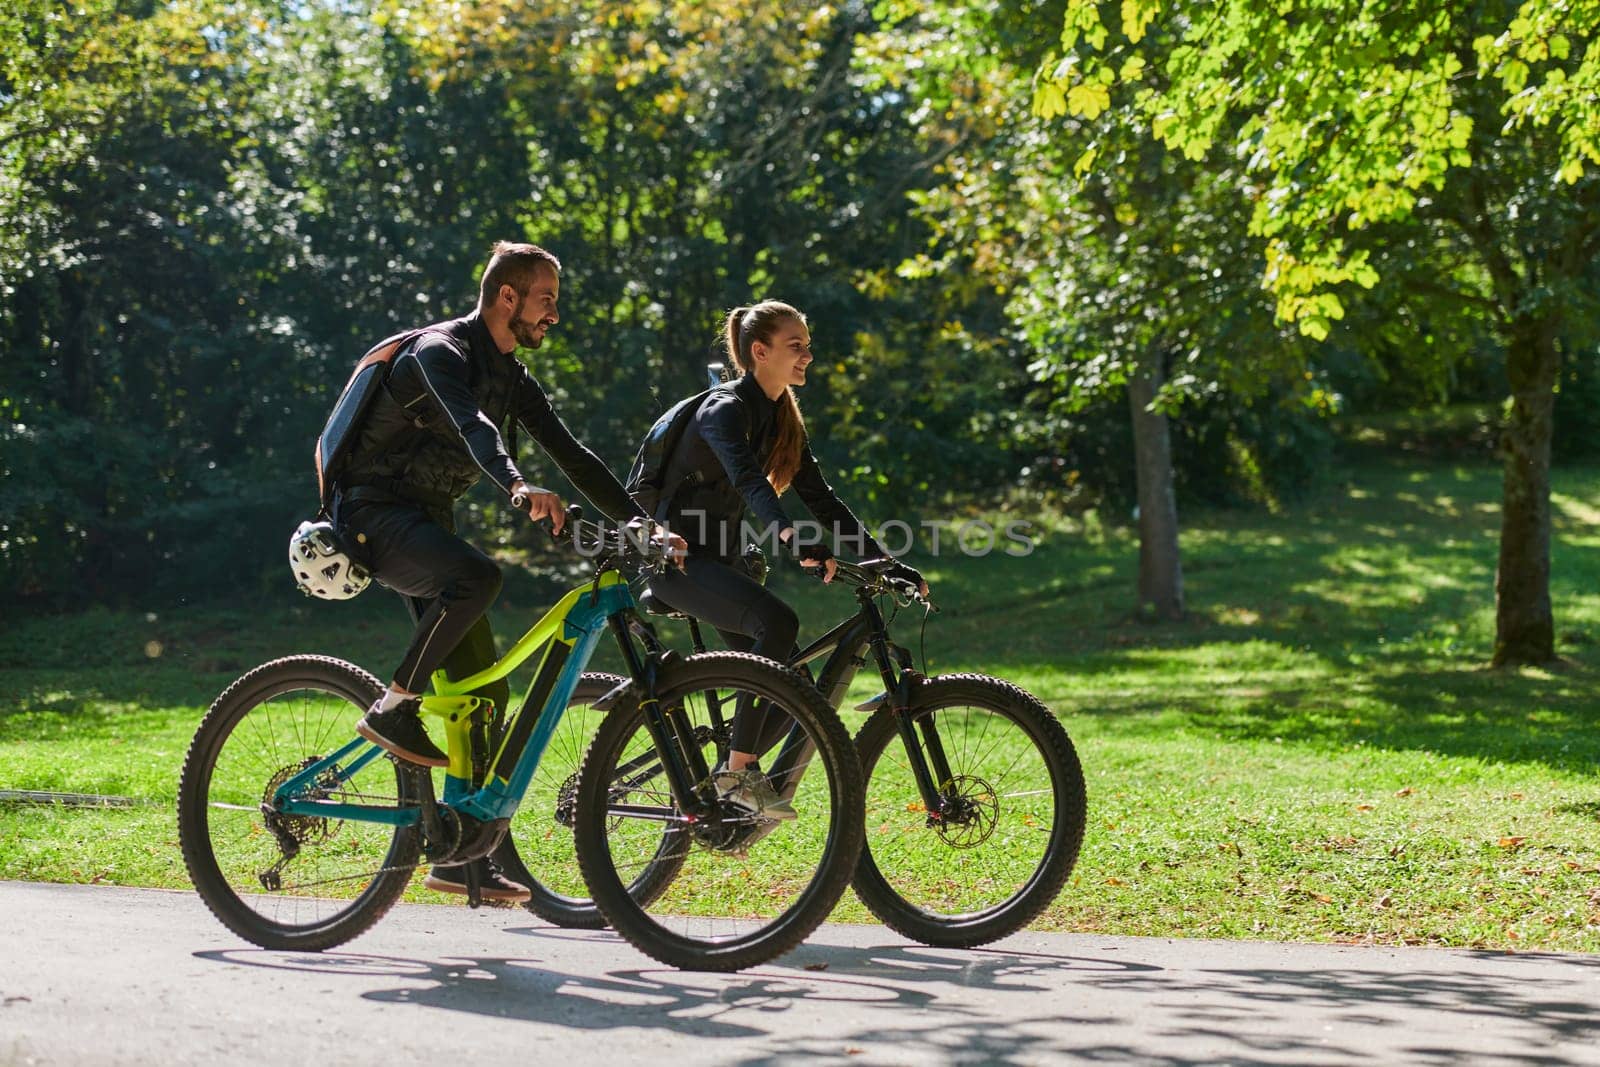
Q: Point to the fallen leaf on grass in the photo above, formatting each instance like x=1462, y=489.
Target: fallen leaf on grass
x=1511, y=842
x=1115, y=881
x=1407, y=791
x=1363, y=807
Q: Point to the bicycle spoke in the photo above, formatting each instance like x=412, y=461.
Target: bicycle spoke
x=282, y=877
x=743, y=881
x=988, y=844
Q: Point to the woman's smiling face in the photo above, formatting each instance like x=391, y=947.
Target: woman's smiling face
x=788, y=354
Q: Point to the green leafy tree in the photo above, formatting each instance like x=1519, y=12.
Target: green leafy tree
x=141, y=251
x=211, y=208
x=1359, y=122
x=1128, y=270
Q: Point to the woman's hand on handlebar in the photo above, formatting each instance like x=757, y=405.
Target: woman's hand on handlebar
x=813, y=556
x=674, y=549
x=906, y=573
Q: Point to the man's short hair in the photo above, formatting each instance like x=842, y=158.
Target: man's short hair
x=515, y=264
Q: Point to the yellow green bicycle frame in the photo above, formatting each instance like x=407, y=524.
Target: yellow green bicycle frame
x=564, y=641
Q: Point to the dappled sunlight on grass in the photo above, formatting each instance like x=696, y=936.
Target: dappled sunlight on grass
x=1317, y=752
x=1566, y=509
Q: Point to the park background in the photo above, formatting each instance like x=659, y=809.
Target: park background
x=1277, y=321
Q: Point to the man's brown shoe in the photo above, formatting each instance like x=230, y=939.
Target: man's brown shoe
x=492, y=884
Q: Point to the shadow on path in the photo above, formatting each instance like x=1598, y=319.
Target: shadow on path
x=1015, y=1007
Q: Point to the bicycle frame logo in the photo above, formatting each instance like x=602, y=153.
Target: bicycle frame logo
x=564, y=640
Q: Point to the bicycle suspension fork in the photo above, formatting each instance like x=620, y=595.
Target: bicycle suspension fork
x=670, y=730
x=930, y=766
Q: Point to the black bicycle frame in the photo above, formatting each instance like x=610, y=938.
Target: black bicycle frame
x=848, y=640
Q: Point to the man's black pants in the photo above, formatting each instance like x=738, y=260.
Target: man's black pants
x=447, y=584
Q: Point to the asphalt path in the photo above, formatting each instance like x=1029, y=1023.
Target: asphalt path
x=92, y=975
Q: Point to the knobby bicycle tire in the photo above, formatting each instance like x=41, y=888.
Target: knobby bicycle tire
x=833, y=776
x=544, y=824
x=893, y=823
x=342, y=685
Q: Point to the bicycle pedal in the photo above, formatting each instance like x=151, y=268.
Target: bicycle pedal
x=499, y=905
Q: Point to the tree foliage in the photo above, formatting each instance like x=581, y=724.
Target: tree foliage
x=1363, y=124
x=211, y=209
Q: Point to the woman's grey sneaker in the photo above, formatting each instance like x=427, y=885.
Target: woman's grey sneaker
x=400, y=731
x=750, y=790
x=492, y=885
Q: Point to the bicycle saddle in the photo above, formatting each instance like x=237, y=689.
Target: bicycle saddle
x=654, y=605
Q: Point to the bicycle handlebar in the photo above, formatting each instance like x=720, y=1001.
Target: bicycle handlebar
x=633, y=543
x=869, y=574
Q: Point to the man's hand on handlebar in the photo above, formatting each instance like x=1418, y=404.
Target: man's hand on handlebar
x=540, y=504
x=672, y=547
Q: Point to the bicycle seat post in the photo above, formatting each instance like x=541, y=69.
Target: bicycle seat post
x=694, y=634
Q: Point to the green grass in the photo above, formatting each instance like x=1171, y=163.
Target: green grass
x=1318, y=754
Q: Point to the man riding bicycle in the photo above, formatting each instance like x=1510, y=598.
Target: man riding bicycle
x=432, y=432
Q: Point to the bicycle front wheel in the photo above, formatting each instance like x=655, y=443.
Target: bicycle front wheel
x=296, y=882
x=749, y=888
x=539, y=852
x=1012, y=818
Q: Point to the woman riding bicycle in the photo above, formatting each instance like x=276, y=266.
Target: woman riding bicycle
x=744, y=446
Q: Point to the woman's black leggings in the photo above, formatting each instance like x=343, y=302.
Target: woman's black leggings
x=748, y=616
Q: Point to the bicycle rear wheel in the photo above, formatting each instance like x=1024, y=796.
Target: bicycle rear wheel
x=748, y=889
x=539, y=851
x=1014, y=823
x=291, y=881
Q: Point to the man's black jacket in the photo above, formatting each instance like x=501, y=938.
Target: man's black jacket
x=434, y=428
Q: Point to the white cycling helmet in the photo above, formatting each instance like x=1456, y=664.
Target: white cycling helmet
x=322, y=567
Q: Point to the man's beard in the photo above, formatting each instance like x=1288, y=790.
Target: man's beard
x=525, y=335
x=524, y=331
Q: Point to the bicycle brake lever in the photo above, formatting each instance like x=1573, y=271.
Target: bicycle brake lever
x=910, y=594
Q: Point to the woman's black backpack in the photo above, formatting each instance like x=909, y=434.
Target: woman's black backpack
x=646, y=481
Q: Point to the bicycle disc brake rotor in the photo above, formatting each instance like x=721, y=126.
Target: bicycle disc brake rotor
x=971, y=811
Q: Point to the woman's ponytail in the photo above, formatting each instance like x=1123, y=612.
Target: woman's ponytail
x=784, y=462
x=730, y=333
x=743, y=328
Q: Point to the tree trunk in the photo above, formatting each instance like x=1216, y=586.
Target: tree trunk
x=1160, y=566
x=1524, y=622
